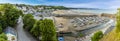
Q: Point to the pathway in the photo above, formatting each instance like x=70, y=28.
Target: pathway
x=22, y=34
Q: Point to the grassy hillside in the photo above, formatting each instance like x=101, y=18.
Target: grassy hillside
x=112, y=36
x=115, y=34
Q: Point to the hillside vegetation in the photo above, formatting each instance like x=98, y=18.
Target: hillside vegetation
x=115, y=34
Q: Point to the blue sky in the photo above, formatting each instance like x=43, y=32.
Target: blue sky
x=105, y=4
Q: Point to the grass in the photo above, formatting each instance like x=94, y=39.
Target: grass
x=112, y=36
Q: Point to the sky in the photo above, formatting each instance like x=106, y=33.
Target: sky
x=105, y=4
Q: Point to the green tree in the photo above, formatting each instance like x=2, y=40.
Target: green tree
x=1, y=39
x=2, y=20
x=28, y=21
x=0, y=29
x=10, y=14
x=0, y=23
x=118, y=21
x=47, y=28
x=3, y=36
x=36, y=29
x=98, y=35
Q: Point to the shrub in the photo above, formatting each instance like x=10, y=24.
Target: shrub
x=98, y=35
x=3, y=36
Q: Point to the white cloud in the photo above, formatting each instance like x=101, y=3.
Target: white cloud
x=114, y=4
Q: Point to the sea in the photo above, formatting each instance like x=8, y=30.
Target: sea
x=97, y=11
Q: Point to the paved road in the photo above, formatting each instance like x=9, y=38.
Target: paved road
x=22, y=34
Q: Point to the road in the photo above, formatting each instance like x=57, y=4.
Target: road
x=22, y=34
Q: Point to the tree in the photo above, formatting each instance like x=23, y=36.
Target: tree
x=98, y=35
x=2, y=21
x=0, y=29
x=118, y=21
x=28, y=21
x=36, y=29
x=1, y=39
x=3, y=36
x=48, y=31
x=10, y=14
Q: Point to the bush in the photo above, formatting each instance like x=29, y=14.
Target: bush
x=1, y=39
x=3, y=36
x=98, y=35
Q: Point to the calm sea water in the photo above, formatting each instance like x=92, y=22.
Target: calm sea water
x=109, y=11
